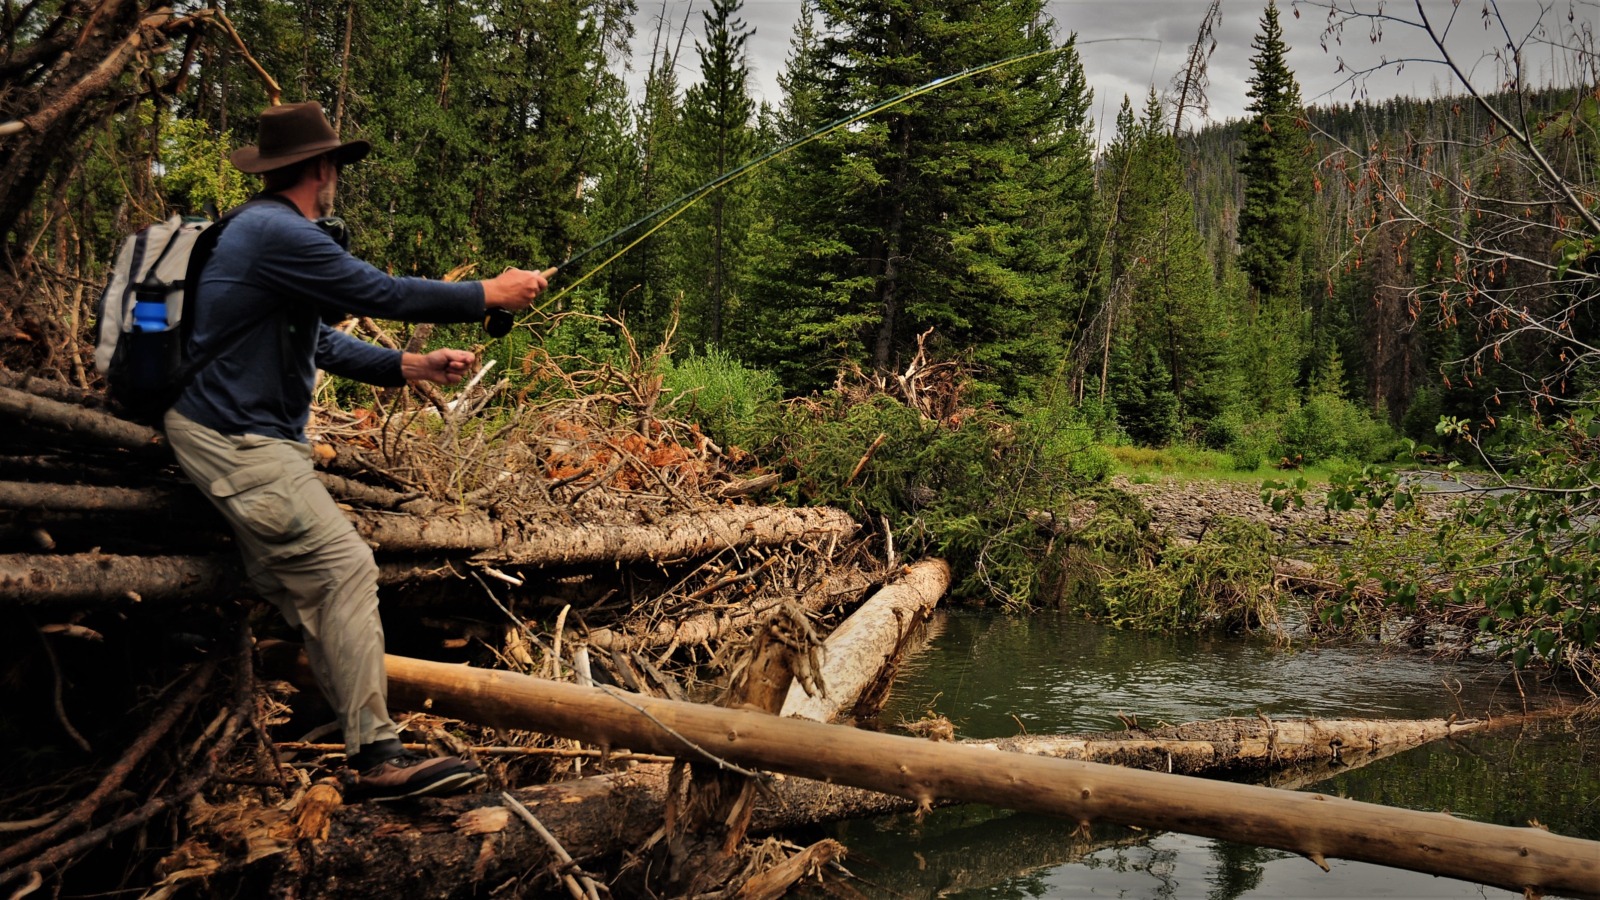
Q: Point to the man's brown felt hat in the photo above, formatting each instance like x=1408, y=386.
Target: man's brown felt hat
x=294, y=132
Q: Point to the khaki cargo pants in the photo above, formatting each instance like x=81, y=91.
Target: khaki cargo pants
x=301, y=553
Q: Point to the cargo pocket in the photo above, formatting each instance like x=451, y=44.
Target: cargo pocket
x=263, y=499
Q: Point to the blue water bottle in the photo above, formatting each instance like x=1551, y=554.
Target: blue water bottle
x=150, y=308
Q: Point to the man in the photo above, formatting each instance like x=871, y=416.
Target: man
x=238, y=429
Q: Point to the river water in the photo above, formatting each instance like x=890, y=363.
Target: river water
x=1051, y=673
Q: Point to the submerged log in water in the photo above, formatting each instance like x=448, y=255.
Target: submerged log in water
x=1230, y=744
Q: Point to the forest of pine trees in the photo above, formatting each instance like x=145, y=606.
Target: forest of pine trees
x=1269, y=287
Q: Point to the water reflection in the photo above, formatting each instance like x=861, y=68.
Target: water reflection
x=1054, y=673
x=1051, y=673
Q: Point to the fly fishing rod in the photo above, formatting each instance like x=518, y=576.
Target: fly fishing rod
x=499, y=322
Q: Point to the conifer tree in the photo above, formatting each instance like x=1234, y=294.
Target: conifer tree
x=1169, y=325
x=945, y=212
x=1273, y=220
x=720, y=137
x=645, y=284
x=787, y=315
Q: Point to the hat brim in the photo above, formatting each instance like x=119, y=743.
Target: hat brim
x=250, y=161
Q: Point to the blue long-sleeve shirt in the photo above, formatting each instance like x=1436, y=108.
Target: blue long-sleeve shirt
x=276, y=268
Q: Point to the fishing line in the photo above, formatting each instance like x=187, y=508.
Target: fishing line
x=500, y=321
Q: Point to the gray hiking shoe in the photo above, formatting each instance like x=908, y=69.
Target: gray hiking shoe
x=412, y=775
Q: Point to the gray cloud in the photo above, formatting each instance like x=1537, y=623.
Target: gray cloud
x=1165, y=28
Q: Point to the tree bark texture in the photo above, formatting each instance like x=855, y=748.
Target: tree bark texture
x=1226, y=744
x=42, y=579
x=859, y=657
x=79, y=422
x=1314, y=825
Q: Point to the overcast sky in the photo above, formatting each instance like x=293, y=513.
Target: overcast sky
x=1165, y=28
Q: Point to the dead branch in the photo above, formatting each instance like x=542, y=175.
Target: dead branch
x=79, y=815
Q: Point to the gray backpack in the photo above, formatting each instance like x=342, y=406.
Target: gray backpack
x=144, y=340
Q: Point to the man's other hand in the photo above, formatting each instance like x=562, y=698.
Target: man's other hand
x=442, y=366
x=514, y=289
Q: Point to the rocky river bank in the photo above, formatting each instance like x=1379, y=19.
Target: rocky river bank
x=1187, y=509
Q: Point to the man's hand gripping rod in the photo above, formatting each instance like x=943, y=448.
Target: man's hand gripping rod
x=498, y=322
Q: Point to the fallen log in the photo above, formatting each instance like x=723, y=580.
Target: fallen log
x=76, y=498
x=42, y=579
x=1239, y=743
x=672, y=538
x=603, y=815
x=859, y=657
x=1319, y=827
x=81, y=422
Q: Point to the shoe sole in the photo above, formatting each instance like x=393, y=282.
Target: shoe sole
x=449, y=784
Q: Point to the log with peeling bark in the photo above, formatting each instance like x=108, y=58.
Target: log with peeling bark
x=42, y=579
x=1221, y=745
x=81, y=422
x=860, y=656
x=77, y=498
x=1319, y=827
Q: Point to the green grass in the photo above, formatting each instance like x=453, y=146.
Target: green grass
x=1143, y=465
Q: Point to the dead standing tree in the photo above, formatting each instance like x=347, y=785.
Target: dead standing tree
x=1513, y=198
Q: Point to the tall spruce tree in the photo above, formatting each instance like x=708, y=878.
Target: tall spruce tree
x=645, y=284
x=720, y=136
x=942, y=213
x=1167, y=350
x=1273, y=219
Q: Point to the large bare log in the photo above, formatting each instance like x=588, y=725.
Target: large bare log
x=1314, y=825
x=469, y=531
x=439, y=848
x=37, y=580
x=86, y=499
x=857, y=654
x=672, y=538
x=51, y=389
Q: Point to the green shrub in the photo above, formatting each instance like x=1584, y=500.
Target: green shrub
x=1254, y=443
x=985, y=490
x=1327, y=426
x=725, y=396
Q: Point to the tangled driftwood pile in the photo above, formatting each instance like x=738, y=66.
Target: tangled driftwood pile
x=581, y=537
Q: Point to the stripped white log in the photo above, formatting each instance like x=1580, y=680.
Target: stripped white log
x=856, y=654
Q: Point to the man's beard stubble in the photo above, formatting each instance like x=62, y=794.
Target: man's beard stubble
x=325, y=198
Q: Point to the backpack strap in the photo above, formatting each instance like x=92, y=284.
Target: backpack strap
x=204, y=245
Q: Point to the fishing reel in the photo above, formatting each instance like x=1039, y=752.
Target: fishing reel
x=498, y=323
